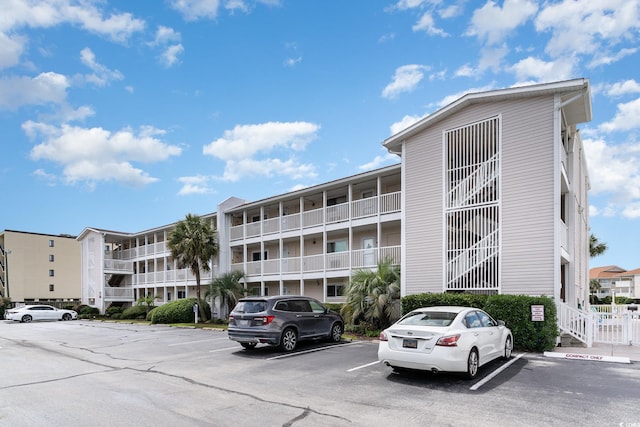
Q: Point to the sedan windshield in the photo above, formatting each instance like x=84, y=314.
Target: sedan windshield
x=428, y=318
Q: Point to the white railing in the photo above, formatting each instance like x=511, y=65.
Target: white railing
x=577, y=323
x=371, y=206
x=172, y=276
x=313, y=218
x=467, y=188
x=617, y=328
x=472, y=257
x=118, y=265
x=361, y=258
x=121, y=294
x=564, y=236
x=390, y=202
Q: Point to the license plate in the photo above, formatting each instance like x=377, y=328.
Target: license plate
x=410, y=343
x=244, y=322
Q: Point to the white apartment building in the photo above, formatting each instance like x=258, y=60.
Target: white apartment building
x=490, y=196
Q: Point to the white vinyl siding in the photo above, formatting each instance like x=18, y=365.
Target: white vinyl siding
x=526, y=200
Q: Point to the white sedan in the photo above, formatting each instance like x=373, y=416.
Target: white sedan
x=449, y=339
x=29, y=313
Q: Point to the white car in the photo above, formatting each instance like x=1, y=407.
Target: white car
x=449, y=339
x=29, y=313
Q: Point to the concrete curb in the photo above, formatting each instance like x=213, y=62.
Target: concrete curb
x=590, y=357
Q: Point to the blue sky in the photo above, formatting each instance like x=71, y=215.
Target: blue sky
x=127, y=115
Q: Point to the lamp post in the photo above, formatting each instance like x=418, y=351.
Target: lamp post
x=6, y=270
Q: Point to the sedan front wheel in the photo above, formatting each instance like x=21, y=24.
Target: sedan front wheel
x=508, y=349
x=66, y=316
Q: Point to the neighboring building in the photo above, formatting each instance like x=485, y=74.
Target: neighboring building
x=39, y=267
x=616, y=282
x=490, y=197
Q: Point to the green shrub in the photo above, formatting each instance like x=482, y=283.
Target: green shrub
x=116, y=316
x=135, y=312
x=86, y=311
x=149, y=314
x=515, y=311
x=411, y=302
x=334, y=306
x=114, y=309
x=179, y=311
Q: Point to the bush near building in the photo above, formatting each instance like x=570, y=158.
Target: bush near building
x=134, y=312
x=514, y=310
x=178, y=311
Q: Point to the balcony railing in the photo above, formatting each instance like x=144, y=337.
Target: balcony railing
x=363, y=208
x=348, y=260
x=180, y=276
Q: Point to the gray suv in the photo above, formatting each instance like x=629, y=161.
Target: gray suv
x=282, y=320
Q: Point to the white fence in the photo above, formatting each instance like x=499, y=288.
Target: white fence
x=607, y=324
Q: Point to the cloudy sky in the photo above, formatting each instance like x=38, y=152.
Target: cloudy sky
x=127, y=115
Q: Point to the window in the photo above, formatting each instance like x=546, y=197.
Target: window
x=316, y=308
x=335, y=290
x=337, y=246
x=51, y=288
x=168, y=295
x=182, y=294
x=50, y=258
x=471, y=320
x=255, y=256
x=51, y=243
x=51, y=273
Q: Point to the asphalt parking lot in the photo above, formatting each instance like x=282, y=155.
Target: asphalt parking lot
x=112, y=374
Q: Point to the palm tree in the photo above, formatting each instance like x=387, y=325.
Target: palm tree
x=596, y=247
x=373, y=296
x=148, y=301
x=227, y=288
x=193, y=244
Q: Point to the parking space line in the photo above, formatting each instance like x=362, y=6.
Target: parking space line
x=195, y=342
x=224, y=349
x=282, y=356
x=495, y=373
x=363, y=366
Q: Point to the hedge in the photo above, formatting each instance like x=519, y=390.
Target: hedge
x=514, y=310
x=178, y=311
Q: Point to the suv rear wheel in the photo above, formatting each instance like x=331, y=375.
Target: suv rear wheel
x=336, y=333
x=289, y=339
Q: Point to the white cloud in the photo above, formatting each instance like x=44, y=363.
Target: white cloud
x=45, y=88
x=587, y=26
x=543, y=71
x=614, y=171
x=169, y=57
x=493, y=24
x=193, y=10
x=237, y=169
x=291, y=62
x=627, y=117
x=404, y=123
x=623, y=88
x=11, y=48
x=87, y=15
x=242, y=147
x=409, y=4
x=379, y=161
x=101, y=76
x=605, y=58
x=91, y=155
x=165, y=35
x=405, y=79
x=427, y=24
x=198, y=184
x=246, y=141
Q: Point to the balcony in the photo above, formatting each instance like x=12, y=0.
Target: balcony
x=181, y=277
x=363, y=208
x=348, y=260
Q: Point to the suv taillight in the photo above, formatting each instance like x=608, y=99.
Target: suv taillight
x=264, y=320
